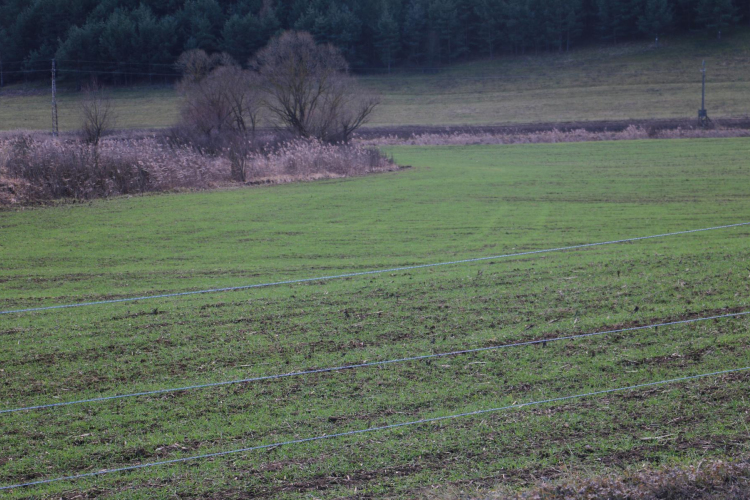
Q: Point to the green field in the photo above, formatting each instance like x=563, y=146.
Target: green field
x=627, y=81
x=454, y=203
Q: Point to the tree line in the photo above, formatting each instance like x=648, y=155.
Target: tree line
x=147, y=36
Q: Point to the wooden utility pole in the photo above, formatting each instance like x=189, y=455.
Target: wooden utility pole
x=2, y=80
x=702, y=113
x=54, y=99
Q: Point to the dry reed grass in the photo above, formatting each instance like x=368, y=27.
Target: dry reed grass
x=34, y=168
x=311, y=160
x=633, y=132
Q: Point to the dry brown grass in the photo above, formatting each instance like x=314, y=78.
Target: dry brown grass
x=51, y=169
x=633, y=132
x=311, y=160
x=35, y=169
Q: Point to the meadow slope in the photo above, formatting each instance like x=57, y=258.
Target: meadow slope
x=631, y=81
x=456, y=202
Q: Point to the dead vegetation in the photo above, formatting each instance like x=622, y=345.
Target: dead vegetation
x=35, y=168
x=97, y=113
x=308, y=89
x=302, y=85
x=554, y=135
x=42, y=169
x=219, y=97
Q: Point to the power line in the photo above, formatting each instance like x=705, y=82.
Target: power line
x=551, y=76
x=117, y=63
x=372, y=429
x=365, y=273
x=495, y=92
x=366, y=365
x=44, y=61
x=509, y=79
x=430, y=73
x=398, y=77
x=26, y=71
x=117, y=72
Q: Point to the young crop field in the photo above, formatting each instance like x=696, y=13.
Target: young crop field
x=622, y=82
x=453, y=203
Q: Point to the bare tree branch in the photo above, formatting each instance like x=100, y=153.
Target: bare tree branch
x=308, y=88
x=97, y=114
x=225, y=100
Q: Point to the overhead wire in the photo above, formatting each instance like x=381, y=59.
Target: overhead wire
x=370, y=364
x=63, y=70
x=113, y=63
x=365, y=273
x=371, y=429
x=26, y=71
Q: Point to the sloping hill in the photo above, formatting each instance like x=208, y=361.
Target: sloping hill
x=622, y=82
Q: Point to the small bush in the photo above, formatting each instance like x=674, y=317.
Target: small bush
x=97, y=113
x=313, y=159
x=52, y=169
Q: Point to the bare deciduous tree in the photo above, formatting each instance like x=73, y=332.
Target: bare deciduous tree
x=237, y=150
x=242, y=95
x=308, y=88
x=97, y=113
x=225, y=100
x=222, y=106
x=196, y=64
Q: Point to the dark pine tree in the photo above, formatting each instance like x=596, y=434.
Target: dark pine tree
x=716, y=15
x=657, y=18
x=388, y=38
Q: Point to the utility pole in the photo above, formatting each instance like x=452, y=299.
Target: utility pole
x=54, y=99
x=702, y=113
x=2, y=80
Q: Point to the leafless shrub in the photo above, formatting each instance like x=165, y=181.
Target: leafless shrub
x=238, y=150
x=225, y=100
x=196, y=64
x=37, y=169
x=97, y=113
x=220, y=109
x=52, y=169
x=313, y=159
x=13, y=192
x=308, y=89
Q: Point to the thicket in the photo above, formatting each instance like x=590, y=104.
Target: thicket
x=147, y=36
x=303, y=85
x=38, y=168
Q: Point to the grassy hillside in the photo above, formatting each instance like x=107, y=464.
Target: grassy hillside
x=628, y=81
x=455, y=203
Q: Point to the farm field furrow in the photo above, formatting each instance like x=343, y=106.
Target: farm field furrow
x=453, y=203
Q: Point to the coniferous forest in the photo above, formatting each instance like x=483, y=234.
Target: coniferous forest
x=147, y=36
